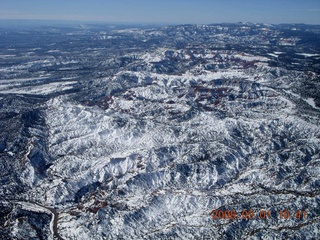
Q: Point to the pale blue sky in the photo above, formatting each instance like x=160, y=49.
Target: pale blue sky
x=165, y=11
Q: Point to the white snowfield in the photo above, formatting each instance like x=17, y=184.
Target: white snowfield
x=38, y=90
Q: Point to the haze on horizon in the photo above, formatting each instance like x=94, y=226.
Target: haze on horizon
x=165, y=11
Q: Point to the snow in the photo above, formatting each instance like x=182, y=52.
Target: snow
x=41, y=89
x=53, y=51
x=165, y=154
x=157, y=56
x=33, y=207
x=248, y=57
x=11, y=153
x=273, y=55
x=309, y=54
x=311, y=102
x=7, y=55
x=17, y=80
x=294, y=94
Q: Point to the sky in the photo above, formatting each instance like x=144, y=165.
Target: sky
x=165, y=11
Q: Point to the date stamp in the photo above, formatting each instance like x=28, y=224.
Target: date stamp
x=249, y=214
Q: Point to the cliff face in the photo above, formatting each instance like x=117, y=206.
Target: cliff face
x=142, y=133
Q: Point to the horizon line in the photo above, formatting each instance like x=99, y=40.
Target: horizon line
x=146, y=23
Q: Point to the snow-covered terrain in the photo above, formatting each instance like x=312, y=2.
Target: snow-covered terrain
x=137, y=133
